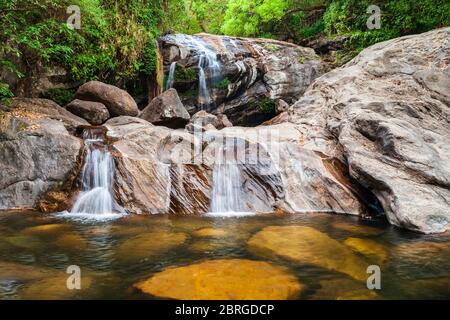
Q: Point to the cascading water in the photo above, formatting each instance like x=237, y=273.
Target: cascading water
x=227, y=193
x=96, y=201
x=169, y=82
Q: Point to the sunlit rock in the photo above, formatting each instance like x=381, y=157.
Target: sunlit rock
x=228, y=279
x=211, y=232
x=369, y=248
x=306, y=245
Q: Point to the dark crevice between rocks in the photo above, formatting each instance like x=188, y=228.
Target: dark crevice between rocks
x=340, y=170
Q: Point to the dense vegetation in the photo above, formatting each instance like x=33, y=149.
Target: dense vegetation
x=116, y=42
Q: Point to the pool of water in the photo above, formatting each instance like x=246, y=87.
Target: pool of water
x=36, y=250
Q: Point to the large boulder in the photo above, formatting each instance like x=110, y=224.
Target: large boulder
x=386, y=113
x=118, y=101
x=37, y=151
x=245, y=77
x=94, y=112
x=166, y=110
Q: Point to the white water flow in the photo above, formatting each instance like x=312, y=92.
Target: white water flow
x=96, y=201
x=169, y=82
x=209, y=67
x=227, y=193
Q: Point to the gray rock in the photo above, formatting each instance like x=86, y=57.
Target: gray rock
x=37, y=152
x=387, y=113
x=118, y=101
x=252, y=68
x=94, y=112
x=203, y=120
x=166, y=110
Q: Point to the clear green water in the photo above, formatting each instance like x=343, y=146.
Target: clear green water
x=33, y=261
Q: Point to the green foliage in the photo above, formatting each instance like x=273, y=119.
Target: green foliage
x=5, y=92
x=267, y=105
x=60, y=96
x=223, y=84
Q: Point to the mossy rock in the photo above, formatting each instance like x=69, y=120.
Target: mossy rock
x=225, y=279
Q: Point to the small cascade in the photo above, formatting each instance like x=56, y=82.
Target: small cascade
x=227, y=193
x=169, y=82
x=96, y=201
x=209, y=67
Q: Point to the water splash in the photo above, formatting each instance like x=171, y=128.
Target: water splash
x=96, y=201
x=169, y=83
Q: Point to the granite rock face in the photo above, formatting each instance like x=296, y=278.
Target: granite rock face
x=387, y=114
x=94, y=112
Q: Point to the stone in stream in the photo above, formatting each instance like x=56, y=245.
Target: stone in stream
x=225, y=279
x=369, y=248
x=211, y=232
x=387, y=113
x=118, y=101
x=306, y=245
x=22, y=272
x=54, y=288
x=46, y=229
x=202, y=120
x=148, y=245
x=94, y=112
x=357, y=229
x=166, y=110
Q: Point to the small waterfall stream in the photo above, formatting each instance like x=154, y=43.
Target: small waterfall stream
x=96, y=201
x=169, y=82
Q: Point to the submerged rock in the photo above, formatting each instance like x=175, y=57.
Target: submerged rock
x=203, y=121
x=148, y=245
x=46, y=229
x=306, y=245
x=166, y=110
x=118, y=101
x=22, y=272
x=233, y=279
x=369, y=248
x=94, y=112
x=343, y=289
x=37, y=151
x=211, y=232
x=54, y=288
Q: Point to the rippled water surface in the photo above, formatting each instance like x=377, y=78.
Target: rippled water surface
x=36, y=249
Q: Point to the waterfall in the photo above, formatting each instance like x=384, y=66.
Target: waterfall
x=169, y=82
x=227, y=193
x=96, y=201
x=209, y=67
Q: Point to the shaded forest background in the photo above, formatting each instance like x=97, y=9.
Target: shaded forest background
x=116, y=43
